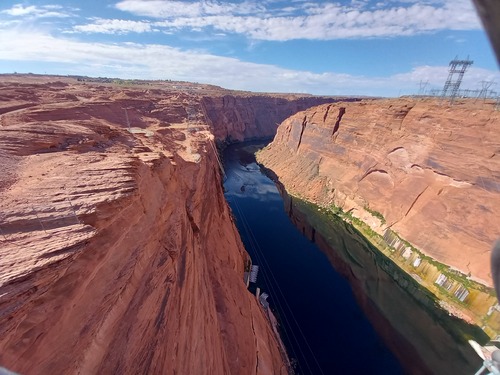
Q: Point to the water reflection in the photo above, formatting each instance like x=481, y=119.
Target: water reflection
x=322, y=325
x=422, y=335
x=244, y=177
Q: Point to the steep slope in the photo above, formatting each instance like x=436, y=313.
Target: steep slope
x=419, y=168
x=112, y=259
x=238, y=118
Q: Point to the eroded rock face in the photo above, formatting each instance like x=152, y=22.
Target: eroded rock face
x=432, y=170
x=258, y=116
x=118, y=253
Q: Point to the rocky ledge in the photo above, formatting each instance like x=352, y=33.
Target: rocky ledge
x=420, y=177
x=118, y=253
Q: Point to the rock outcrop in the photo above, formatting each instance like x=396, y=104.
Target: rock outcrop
x=118, y=253
x=236, y=118
x=422, y=168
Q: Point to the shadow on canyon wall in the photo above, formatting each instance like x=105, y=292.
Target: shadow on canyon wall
x=422, y=335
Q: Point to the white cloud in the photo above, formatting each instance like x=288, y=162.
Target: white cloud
x=10, y=23
x=132, y=60
x=310, y=20
x=112, y=26
x=20, y=10
x=173, y=9
x=44, y=11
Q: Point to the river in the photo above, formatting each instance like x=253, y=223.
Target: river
x=323, y=327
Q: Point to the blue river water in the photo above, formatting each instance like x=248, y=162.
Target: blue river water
x=321, y=324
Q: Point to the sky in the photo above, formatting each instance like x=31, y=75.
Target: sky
x=356, y=47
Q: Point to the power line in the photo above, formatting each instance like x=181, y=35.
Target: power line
x=254, y=245
x=218, y=158
x=262, y=260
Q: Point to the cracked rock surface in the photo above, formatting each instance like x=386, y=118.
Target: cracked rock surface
x=432, y=170
x=118, y=253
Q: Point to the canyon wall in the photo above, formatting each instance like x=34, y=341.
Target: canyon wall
x=428, y=171
x=236, y=118
x=424, y=337
x=118, y=253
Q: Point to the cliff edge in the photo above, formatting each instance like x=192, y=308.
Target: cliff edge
x=118, y=253
x=420, y=171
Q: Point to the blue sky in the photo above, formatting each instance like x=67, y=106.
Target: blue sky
x=359, y=47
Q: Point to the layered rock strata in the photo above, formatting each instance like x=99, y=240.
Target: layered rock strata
x=258, y=116
x=118, y=253
x=423, y=169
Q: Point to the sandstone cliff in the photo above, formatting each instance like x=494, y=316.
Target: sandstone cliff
x=421, y=168
x=236, y=118
x=118, y=253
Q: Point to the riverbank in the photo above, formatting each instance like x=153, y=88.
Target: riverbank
x=415, y=178
x=455, y=292
x=319, y=319
x=461, y=297
x=421, y=333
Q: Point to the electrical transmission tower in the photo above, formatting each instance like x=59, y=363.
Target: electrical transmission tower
x=485, y=89
x=423, y=86
x=455, y=75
